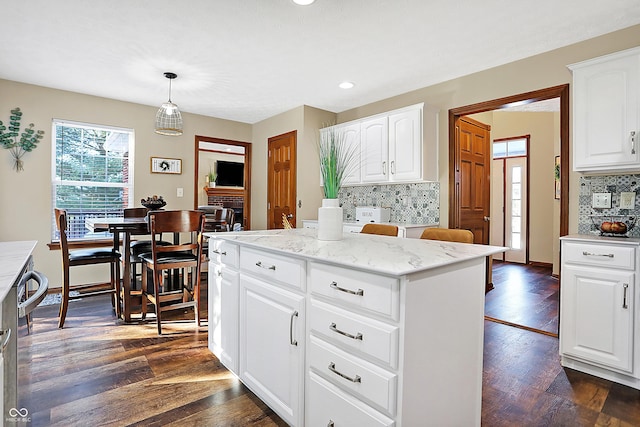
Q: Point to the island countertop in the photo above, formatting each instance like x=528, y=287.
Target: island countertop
x=13, y=257
x=383, y=254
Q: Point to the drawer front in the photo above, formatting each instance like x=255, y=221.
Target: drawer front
x=365, y=380
x=367, y=336
x=601, y=255
x=370, y=292
x=289, y=271
x=326, y=405
x=224, y=252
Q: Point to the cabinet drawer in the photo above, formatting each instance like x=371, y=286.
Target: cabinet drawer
x=224, y=252
x=370, y=337
x=362, y=378
x=371, y=292
x=289, y=271
x=601, y=255
x=329, y=406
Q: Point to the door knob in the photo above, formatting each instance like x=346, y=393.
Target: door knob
x=290, y=216
x=487, y=219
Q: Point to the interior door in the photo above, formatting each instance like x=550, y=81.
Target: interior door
x=497, y=206
x=472, y=164
x=281, y=180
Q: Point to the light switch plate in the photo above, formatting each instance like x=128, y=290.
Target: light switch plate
x=627, y=200
x=601, y=201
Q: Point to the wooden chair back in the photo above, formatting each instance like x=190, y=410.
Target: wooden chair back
x=380, y=229
x=448, y=234
x=180, y=221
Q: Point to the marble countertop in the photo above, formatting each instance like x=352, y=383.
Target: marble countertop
x=13, y=257
x=399, y=224
x=383, y=254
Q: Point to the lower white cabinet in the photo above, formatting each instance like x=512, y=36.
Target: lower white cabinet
x=272, y=341
x=598, y=309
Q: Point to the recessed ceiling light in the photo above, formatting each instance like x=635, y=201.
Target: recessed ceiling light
x=346, y=85
x=303, y=2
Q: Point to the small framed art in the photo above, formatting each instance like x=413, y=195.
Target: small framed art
x=165, y=165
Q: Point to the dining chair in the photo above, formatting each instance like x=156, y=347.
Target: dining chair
x=181, y=255
x=448, y=234
x=79, y=257
x=380, y=229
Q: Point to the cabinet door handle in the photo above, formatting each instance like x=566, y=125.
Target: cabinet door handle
x=272, y=267
x=384, y=168
x=625, y=286
x=291, y=340
x=335, y=286
x=632, y=138
x=5, y=342
x=357, y=336
x=585, y=253
x=393, y=167
x=332, y=368
x=330, y=424
x=215, y=251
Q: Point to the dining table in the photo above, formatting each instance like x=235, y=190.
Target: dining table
x=126, y=227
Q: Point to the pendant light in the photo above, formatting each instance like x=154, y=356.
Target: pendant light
x=168, y=118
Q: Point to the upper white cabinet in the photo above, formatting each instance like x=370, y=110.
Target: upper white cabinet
x=397, y=146
x=606, y=112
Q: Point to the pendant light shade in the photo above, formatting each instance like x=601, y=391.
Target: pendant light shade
x=168, y=118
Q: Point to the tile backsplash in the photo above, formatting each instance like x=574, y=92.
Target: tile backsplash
x=614, y=184
x=410, y=203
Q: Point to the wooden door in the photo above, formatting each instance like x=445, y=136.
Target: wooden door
x=281, y=180
x=472, y=166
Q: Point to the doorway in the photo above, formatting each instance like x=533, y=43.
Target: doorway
x=208, y=151
x=561, y=92
x=281, y=180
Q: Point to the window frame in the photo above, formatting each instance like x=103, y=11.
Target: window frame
x=100, y=238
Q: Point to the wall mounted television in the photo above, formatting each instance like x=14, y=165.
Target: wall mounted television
x=229, y=174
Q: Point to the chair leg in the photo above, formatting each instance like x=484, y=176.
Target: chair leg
x=196, y=296
x=115, y=285
x=64, y=304
x=157, y=276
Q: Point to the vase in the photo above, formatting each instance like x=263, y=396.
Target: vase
x=330, y=220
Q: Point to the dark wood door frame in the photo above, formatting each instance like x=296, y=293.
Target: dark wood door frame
x=561, y=92
x=247, y=173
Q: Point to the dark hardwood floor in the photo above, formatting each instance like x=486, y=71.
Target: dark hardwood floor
x=525, y=295
x=97, y=372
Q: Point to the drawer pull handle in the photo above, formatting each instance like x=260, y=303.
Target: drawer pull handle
x=291, y=340
x=334, y=328
x=334, y=285
x=585, y=253
x=624, y=296
x=330, y=423
x=356, y=379
x=632, y=137
x=215, y=251
x=5, y=342
x=272, y=267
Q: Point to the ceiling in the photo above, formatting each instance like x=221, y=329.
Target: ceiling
x=248, y=60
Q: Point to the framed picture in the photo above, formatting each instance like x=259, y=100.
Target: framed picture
x=164, y=165
x=556, y=177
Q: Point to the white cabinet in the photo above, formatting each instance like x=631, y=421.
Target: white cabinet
x=597, y=306
x=272, y=342
x=397, y=146
x=223, y=295
x=405, y=145
x=374, y=146
x=606, y=112
x=349, y=133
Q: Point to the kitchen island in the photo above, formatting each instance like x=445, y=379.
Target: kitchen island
x=369, y=330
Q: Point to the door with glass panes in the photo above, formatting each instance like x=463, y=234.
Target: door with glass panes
x=509, y=224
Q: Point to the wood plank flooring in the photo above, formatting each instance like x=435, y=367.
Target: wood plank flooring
x=97, y=372
x=526, y=295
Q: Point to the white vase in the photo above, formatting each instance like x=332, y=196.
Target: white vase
x=330, y=220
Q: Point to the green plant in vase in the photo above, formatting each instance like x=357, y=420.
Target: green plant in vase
x=338, y=159
x=18, y=143
x=211, y=178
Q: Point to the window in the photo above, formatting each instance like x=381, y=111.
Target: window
x=510, y=148
x=91, y=174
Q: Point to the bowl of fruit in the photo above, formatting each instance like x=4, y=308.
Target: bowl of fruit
x=614, y=225
x=153, y=202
